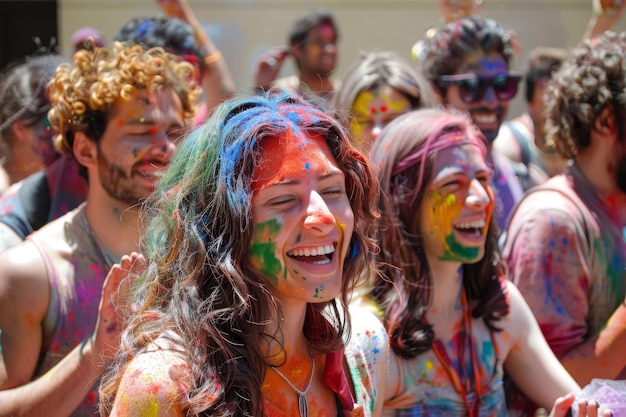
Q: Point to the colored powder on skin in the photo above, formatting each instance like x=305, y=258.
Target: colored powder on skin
x=262, y=250
x=444, y=210
x=454, y=250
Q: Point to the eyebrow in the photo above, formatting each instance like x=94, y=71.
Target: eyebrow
x=324, y=176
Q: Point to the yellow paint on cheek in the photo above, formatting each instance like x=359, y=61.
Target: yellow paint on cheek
x=429, y=365
x=444, y=210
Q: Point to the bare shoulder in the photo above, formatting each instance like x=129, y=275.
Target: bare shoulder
x=8, y=237
x=518, y=322
x=24, y=278
x=154, y=383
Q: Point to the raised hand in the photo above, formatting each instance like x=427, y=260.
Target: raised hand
x=114, y=305
x=269, y=64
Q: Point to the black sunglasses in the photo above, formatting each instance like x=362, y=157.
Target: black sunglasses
x=473, y=87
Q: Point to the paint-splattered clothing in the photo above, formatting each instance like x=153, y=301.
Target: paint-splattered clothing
x=42, y=197
x=507, y=188
x=367, y=356
x=426, y=389
x=566, y=253
x=76, y=271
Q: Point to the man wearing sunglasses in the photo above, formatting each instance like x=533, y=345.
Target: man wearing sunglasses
x=467, y=62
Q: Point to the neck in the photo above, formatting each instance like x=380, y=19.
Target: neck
x=17, y=168
x=116, y=226
x=290, y=328
x=593, y=164
x=447, y=283
x=322, y=85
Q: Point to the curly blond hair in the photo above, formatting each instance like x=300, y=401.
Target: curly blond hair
x=590, y=79
x=84, y=92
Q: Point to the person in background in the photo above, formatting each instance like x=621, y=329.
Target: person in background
x=45, y=180
x=378, y=87
x=468, y=63
x=26, y=144
x=179, y=32
x=313, y=45
x=119, y=112
x=255, y=237
x=87, y=38
x=455, y=323
x=566, y=245
x=523, y=139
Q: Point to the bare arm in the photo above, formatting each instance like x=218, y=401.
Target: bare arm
x=217, y=80
x=24, y=294
x=602, y=356
x=603, y=18
x=61, y=389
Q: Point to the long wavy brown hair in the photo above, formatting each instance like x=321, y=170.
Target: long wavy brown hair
x=403, y=156
x=199, y=285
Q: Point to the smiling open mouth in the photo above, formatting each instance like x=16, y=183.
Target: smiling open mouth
x=474, y=228
x=315, y=255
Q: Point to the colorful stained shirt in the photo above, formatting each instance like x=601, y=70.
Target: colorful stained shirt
x=507, y=189
x=426, y=388
x=367, y=356
x=76, y=270
x=42, y=197
x=566, y=253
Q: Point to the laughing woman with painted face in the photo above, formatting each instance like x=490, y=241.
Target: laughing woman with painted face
x=257, y=233
x=454, y=322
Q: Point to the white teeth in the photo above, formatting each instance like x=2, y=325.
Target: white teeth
x=485, y=118
x=320, y=250
x=477, y=224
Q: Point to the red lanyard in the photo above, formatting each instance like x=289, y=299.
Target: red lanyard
x=446, y=362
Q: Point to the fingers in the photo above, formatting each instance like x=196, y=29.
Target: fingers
x=562, y=405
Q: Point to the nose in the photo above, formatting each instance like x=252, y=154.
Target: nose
x=330, y=47
x=318, y=215
x=163, y=145
x=478, y=196
x=490, y=96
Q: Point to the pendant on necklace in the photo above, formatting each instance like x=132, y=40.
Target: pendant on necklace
x=303, y=405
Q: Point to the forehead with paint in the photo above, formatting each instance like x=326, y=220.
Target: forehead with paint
x=286, y=156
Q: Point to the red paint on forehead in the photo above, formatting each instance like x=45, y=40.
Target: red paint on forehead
x=289, y=156
x=326, y=30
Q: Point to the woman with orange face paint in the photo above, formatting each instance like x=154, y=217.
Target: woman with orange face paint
x=256, y=235
x=454, y=322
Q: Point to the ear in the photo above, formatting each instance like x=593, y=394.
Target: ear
x=85, y=150
x=19, y=130
x=605, y=123
x=296, y=50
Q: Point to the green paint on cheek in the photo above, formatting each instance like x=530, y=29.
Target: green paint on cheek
x=262, y=250
x=456, y=252
x=318, y=292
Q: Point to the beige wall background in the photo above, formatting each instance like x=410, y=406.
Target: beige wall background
x=243, y=29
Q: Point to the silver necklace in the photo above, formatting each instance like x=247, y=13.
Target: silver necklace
x=303, y=405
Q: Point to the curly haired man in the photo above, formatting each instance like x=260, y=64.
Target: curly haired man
x=565, y=244
x=119, y=113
